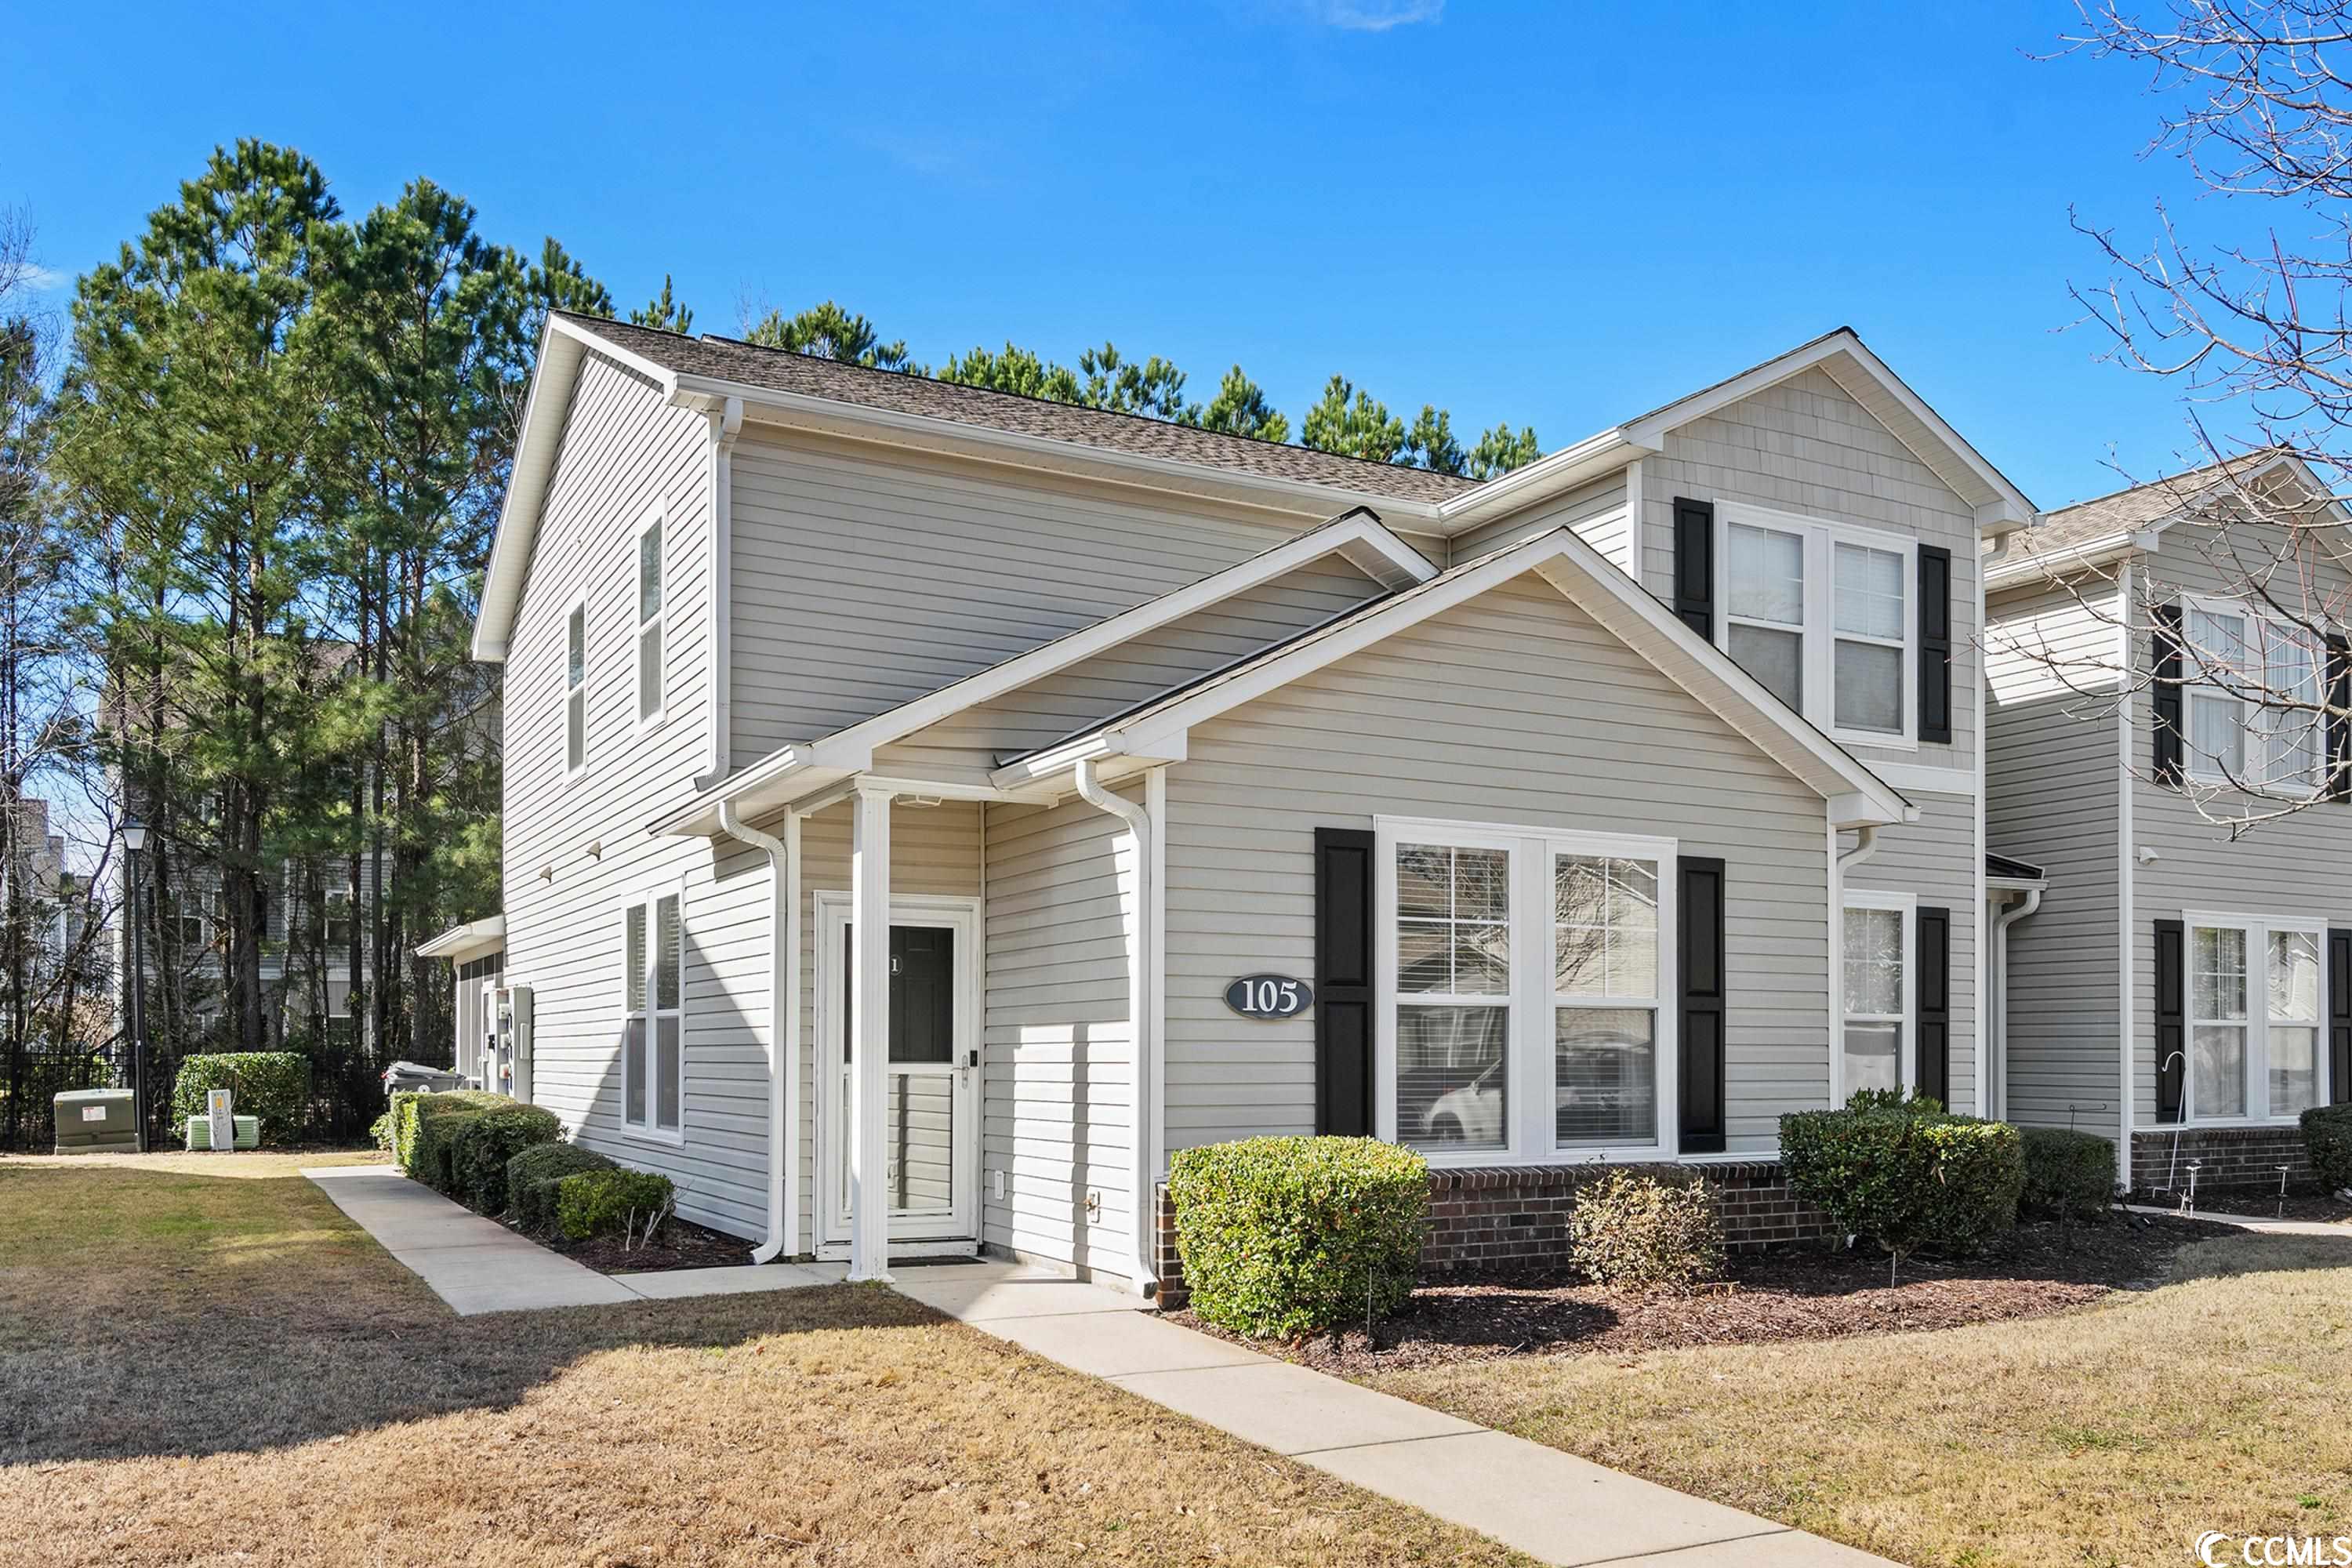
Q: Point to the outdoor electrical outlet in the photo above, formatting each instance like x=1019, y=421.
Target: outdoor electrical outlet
x=1000, y=1186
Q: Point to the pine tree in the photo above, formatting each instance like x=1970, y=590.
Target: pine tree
x=1498, y=452
x=663, y=310
x=1240, y=408
x=1348, y=420
x=829, y=331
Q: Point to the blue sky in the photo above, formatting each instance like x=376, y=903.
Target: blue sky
x=1533, y=213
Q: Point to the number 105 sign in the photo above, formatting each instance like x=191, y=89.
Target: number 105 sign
x=1269, y=996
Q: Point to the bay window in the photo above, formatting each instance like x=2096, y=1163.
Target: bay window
x=1825, y=615
x=2253, y=1024
x=2254, y=693
x=1524, y=979
x=652, y=1057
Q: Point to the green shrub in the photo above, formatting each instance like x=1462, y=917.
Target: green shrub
x=423, y=1125
x=633, y=1204
x=382, y=1129
x=1289, y=1235
x=534, y=1175
x=2069, y=1174
x=2327, y=1134
x=274, y=1086
x=486, y=1142
x=1635, y=1230
x=1905, y=1173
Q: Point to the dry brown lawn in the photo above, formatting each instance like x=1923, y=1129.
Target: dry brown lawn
x=2115, y=1434
x=202, y=1362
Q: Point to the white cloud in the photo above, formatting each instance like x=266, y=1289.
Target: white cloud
x=1377, y=15
x=44, y=279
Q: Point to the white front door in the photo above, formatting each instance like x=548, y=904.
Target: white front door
x=929, y=1108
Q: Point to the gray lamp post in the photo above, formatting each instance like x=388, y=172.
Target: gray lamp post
x=134, y=839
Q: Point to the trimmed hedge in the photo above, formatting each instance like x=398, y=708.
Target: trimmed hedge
x=1646, y=1234
x=484, y=1144
x=274, y=1086
x=533, y=1175
x=424, y=1124
x=2327, y=1136
x=2069, y=1174
x=1289, y=1235
x=633, y=1204
x=1905, y=1173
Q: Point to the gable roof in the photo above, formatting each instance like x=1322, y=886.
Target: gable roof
x=1158, y=728
x=2112, y=524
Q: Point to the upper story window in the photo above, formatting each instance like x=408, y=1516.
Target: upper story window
x=338, y=913
x=2254, y=989
x=2254, y=687
x=649, y=622
x=1826, y=616
x=576, y=690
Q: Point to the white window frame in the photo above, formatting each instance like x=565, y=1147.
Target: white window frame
x=1530, y=1124
x=657, y=625
x=2260, y=621
x=327, y=917
x=648, y=900
x=1906, y=1054
x=2258, y=930
x=573, y=693
x=1819, y=636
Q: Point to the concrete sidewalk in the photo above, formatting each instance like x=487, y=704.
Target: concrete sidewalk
x=477, y=1265
x=2254, y=1223
x=1549, y=1504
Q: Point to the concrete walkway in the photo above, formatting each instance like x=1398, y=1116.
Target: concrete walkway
x=2253, y=1222
x=1550, y=1505
x=477, y=1265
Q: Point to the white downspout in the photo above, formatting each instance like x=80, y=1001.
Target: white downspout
x=1865, y=845
x=726, y=424
x=783, y=1076
x=1143, y=1029
x=1997, y=1005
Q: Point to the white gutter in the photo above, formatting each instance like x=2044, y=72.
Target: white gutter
x=726, y=424
x=783, y=1027
x=1997, y=1005
x=1143, y=1029
x=2126, y=932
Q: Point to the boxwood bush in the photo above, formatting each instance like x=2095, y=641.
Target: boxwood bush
x=1290, y=1236
x=1905, y=1173
x=2327, y=1136
x=1640, y=1232
x=2071, y=1175
x=532, y=1176
x=272, y=1085
x=424, y=1124
x=487, y=1141
x=630, y=1204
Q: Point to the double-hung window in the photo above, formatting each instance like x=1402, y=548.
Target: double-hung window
x=2254, y=989
x=2253, y=694
x=1874, y=987
x=653, y=1054
x=1825, y=616
x=576, y=690
x=649, y=621
x=1524, y=987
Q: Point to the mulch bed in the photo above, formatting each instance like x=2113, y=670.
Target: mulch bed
x=1794, y=1293
x=682, y=1245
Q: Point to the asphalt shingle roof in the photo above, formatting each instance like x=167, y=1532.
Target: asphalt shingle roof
x=2135, y=507
x=781, y=370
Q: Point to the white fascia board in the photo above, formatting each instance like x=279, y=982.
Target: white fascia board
x=1126, y=748
x=461, y=943
x=2027, y=568
x=1580, y=464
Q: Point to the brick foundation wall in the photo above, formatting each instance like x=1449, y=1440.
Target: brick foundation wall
x=2230, y=1159
x=1516, y=1216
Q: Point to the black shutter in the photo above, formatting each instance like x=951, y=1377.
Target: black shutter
x=2171, y=1018
x=1343, y=980
x=1932, y=1028
x=2339, y=717
x=1935, y=644
x=2169, y=725
x=1694, y=564
x=2339, y=1018
x=1698, y=945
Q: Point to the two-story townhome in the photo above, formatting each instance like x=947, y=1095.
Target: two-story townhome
x=2160, y=661
x=926, y=808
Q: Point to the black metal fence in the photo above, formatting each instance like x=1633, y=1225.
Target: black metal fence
x=346, y=1091
x=34, y=1079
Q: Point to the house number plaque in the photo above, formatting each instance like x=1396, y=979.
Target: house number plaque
x=1269, y=996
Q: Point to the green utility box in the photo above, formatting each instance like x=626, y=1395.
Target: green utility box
x=95, y=1121
x=248, y=1132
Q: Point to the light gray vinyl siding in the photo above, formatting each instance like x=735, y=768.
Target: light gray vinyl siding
x=575, y=850
x=2297, y=867
x=2053, y=798
x=1806, y=446
x=1144, y=666
x=1933, y=859
x=865, y=577
x=1596, y=512
x=1059, y=1064
x=1512, y=709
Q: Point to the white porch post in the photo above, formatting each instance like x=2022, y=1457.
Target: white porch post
x=869, y=1033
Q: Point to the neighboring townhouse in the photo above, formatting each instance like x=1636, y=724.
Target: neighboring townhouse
x=926, y=808
x=2183, y=982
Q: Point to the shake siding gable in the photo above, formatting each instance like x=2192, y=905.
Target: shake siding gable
x=625, y=455
x=1514, y=709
